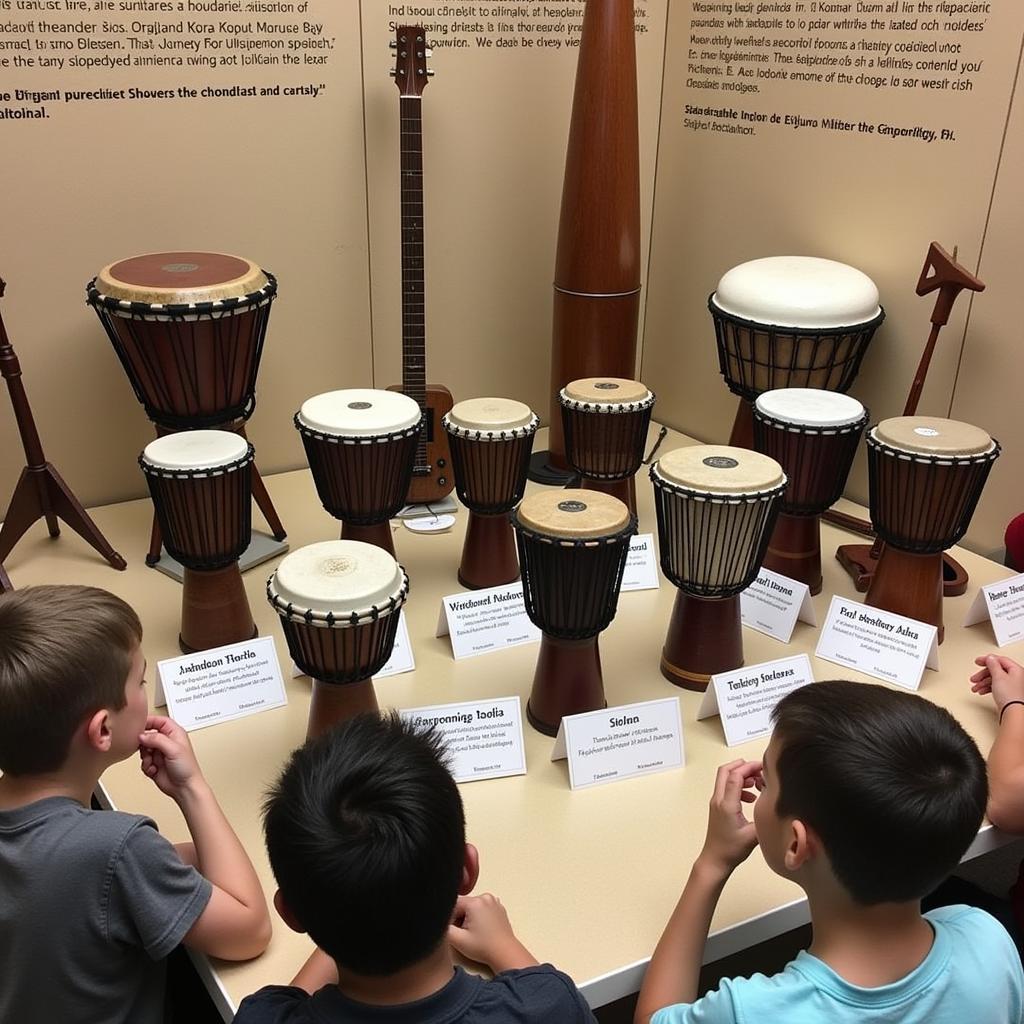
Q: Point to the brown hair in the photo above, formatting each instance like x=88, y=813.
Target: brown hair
x=65, y=653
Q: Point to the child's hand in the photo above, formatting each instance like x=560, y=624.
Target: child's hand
x=481, y=931
x=731, y=837
x=1000, y=676
x=167, y=756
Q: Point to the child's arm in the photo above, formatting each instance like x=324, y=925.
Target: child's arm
x=1004, y=679
x=674, y=970
x=235, y=924
x=317, y=971
x=482, y=932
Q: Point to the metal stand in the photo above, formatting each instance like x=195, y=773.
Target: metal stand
x=40, y=492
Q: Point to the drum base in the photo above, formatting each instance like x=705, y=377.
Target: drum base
x=214, y=610
x=742, y=435
x=704, y=637
x=567, y=681
x=624, y=490
x=795, y=550
x=908, y=585
x=377, y=533
x=543, y=471
x=860, y=562
x=488, y=553
x=333, y=703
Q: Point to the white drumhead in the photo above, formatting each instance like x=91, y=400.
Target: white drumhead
x=720, y=469
x=606, y=391
x=195, y=450
x=931, y=435
x=798, y=291
x=810, y=407
x=359, y=412
x=339, y=576
x=491, y=415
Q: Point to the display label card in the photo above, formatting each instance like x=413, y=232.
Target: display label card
x=641, y=572
x=746, y=697
x=773, y=603
x=484, y=738
x=1003, y=604
x=479, y=621
x=401, y=659
x=878, y=643
x=223, y=683
x=621, y=743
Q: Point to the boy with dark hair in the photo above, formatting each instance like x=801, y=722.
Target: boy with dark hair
x=91, y=902
x=868, y=798
x=367, y=839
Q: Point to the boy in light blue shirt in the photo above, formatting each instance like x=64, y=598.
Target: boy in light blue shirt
x=868, y=798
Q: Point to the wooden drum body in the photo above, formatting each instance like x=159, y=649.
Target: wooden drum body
x=339, y=602
x=200, y=484
x=604, y=423
x=189, y=329
x=791, y=321
x=572, y=551
x=925, y=477
x=490, y=441
x=716, y=507
x=814, y=436
x=361, y=445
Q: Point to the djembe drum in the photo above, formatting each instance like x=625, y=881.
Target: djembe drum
x=814, y=436
x=199, y=482
x=361, y=445
x=490, y=441
x=572, y=546
x=604, y=422
x=716, y=507
x=791, y=321
x=339, y=602
x=925, y=476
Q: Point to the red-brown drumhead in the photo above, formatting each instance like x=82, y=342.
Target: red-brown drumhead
x=180, y=278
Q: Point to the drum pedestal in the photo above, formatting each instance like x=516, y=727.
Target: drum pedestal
x=624, y=490
x=910, y=585
x=214, y=609
x=332, y=703
x=376, y=533
x=704, y=637
x=567, y=681
x=795, y=550
x=742, y=435
x=860, y=562
x=489, y=552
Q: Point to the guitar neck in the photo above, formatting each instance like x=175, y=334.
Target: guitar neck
x=414, y=353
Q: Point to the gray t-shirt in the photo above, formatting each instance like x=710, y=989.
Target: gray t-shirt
x=90, y=904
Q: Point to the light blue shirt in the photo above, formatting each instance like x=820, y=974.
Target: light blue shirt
x=972, y=975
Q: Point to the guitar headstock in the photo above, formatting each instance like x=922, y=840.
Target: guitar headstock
x=411, y=53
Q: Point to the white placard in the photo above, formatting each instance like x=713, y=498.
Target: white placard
x=401, y=659
x=1003, y=604
x=479, y=621
x=773, y=603
x=641, y=572
x=223, y=683
x=484, y=738
x=878, y=643
x=746, y=697
x=621, y=743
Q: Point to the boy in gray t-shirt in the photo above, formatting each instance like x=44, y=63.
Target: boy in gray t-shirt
x=91, y=902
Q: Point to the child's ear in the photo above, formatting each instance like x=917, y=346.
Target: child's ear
x=802, y=845
x=97, y=731
x=470, y=870
x=284, y=912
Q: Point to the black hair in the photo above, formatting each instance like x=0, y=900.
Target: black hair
x=366, y=836
x=891, y=783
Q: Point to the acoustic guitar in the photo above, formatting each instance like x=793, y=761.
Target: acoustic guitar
x=432, y=475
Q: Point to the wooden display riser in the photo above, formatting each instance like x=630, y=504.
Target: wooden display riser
x=589, y=878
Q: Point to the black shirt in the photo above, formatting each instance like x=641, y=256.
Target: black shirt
x=513, y=997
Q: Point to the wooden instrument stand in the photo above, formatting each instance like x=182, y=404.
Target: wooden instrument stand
x=40, y=492
x=5, y=581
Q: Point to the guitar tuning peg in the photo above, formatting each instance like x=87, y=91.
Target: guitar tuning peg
x=391, y=72
x=428, y=52
x=430, y=72
x=393, y=44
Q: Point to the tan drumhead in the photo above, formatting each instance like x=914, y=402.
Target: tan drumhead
x=720, y=469
x=573, y=513
x=491, y=415
x=195, y=450
x=798, y=291
x=810, y=407
x=606, y=391
x=359, y=412
x=343, y=577
x=930, y=435
x=180, y=278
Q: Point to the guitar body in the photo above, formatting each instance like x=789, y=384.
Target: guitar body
x=432, y=477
